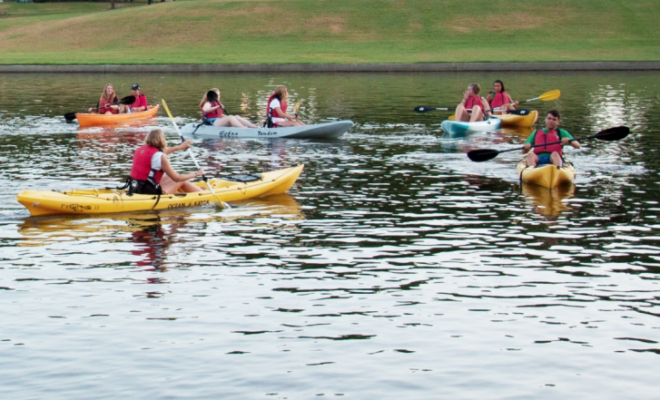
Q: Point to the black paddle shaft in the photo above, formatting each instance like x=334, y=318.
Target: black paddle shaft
x=610, y=134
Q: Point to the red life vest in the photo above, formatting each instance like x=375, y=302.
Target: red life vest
x=212, y=114
x=541, y=138
x=141, y=169
x=499, y=100
x=274, y=113
x=103, y=103
x=140, y=101
x=474, y=101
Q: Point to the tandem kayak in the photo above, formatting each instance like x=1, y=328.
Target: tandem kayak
x=547, y=175
x=327, y=130
x=460, y=127
x=526, y=121
x=88, y=119
x=109, y=200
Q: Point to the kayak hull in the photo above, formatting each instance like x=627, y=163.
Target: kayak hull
x=547, y=175
x=461, y=128
x=105, y=201
x=328, y=130
x=85, y=119
x=525, y=121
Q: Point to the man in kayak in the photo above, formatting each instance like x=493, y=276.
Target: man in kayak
x=552, y=135
x=473, y=107
x=152, y=173
x=140, y=103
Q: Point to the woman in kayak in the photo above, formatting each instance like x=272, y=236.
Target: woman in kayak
x=500, y=99
x=108, y=103
x=473, y=107
x=212, y=111
x=276, y=115
x=550, y=154
x=152, y=173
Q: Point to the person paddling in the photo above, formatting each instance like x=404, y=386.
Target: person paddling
x=140, y=103
x=212, y=111
x=499, y=98
x=108, y=103
x=151, y=172
x=473, y=107
x=276, y=115
x=551, y=154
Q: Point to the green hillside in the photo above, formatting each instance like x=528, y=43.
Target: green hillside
x=329, y=31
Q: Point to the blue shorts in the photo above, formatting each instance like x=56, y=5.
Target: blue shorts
x=545, y=159
x=211, y=120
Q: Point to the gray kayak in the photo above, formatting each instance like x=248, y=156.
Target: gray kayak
x=325, y=130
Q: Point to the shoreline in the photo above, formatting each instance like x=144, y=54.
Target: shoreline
x=344, y=68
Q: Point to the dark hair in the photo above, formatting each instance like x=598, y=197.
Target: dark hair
x=501, y=84
x=211, y=96
x=555, y=114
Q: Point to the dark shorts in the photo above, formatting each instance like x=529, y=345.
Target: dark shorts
x=544, y=159
x=144, y=187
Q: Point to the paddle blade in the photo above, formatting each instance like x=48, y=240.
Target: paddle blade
x=551, y=95
x=296, y=107
x=451, y=118
x=421, y=109
x=480, y=155
x=127, y=100
x=69, y=117
x=612, y=134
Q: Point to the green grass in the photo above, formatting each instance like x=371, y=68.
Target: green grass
x=330, y=31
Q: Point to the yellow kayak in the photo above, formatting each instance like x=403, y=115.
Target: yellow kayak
x=108, y=200
x=526, y=121
x=546, y=175
x=85, y=119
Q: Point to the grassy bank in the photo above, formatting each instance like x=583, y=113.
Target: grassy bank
x=329, y=31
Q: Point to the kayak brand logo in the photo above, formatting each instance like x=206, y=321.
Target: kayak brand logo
x=76, y=207
x=267, y=133
x=227, y=134
x=188, y=204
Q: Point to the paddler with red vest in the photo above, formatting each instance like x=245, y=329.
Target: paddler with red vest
x=152, y=173
x=276, y=115
x=108, y=103
x=212, y=112
x=551, y=154
x=473, y=107
x=499, y=100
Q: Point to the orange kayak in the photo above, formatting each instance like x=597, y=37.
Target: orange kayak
x=85, y=119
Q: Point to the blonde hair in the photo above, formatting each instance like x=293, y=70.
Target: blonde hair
x=156, y=138
x=281, y=92
x=205, y=98
x=110, y=99
x=475, y=88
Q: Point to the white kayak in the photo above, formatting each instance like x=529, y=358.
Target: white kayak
x=327, y=130
x=460, y=128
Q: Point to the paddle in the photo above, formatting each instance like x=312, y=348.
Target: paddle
x=547, y=96
x=295, y=109
x=522, y=111
x=610, y=134
x=221, y=204
x=124, y=100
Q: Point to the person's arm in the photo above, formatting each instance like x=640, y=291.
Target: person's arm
x=167, y=168
x=528, y=143
x=283, y=114
x=567, y=138
x=183, y=146
x=208, y=107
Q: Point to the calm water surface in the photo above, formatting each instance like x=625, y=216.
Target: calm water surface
x=395, y=268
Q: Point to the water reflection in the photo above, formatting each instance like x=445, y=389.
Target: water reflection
x=548, y=202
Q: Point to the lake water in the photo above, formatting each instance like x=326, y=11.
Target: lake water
x=394, y=268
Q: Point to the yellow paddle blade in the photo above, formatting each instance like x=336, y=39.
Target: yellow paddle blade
x=452, y=118
x=167, y=110
x=296, y=107
x=551, y=95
